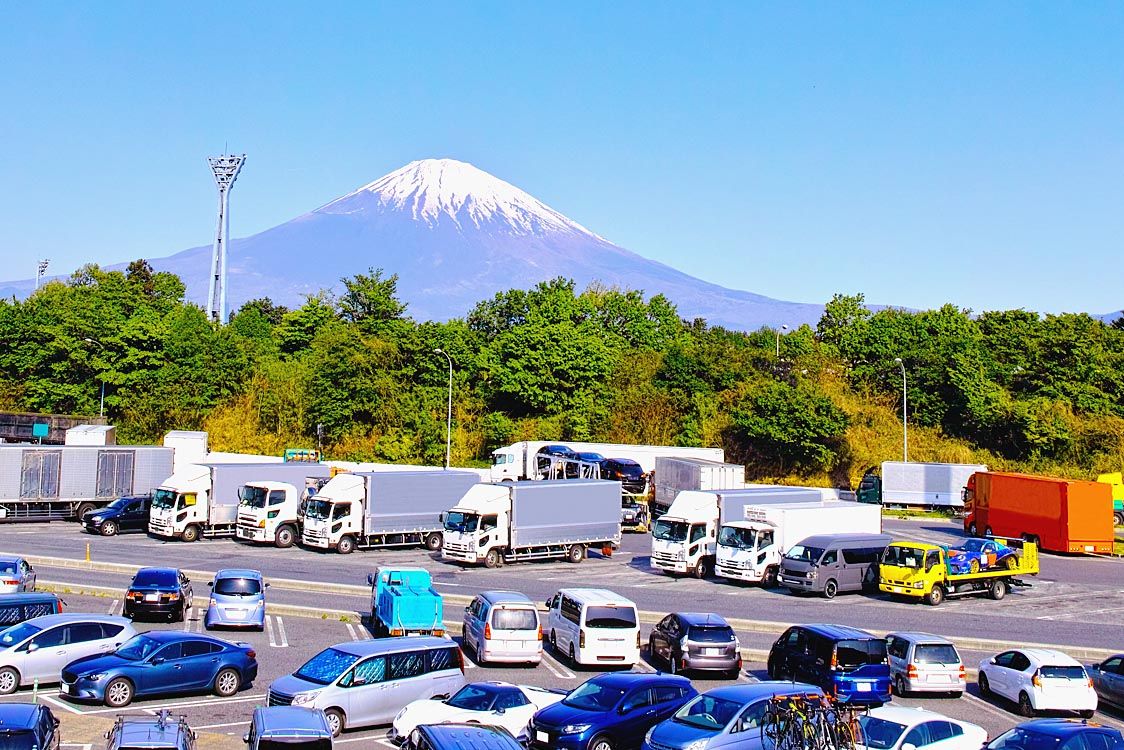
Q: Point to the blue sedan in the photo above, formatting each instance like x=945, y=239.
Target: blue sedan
x=237, y=600
x=158, y=663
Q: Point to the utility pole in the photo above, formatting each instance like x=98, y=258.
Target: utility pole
x=449, y=416
x=225, y=169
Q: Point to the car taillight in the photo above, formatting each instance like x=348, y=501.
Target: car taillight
x=581, y=638
x=963, y=672
x=911, y=672
x=1089, y=682
x=834, y=660
x=540, y=632
x=251, y=653
x=460, y=659
x=488, y=631
x=1036, y=680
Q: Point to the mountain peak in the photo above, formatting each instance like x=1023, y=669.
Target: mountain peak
x=433, y=191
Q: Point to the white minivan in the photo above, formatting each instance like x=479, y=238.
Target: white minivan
x=593, y=626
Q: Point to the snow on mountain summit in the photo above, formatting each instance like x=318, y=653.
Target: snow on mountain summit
x=432, y=189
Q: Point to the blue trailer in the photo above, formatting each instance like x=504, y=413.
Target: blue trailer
x=404, y=602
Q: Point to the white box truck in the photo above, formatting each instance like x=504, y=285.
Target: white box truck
x=383, y=509
x=684, y=540
x=498, y=523
x=675, y=474
x=520, y=461
x=751, y=549
x=915, y=483
x=202, y=499
x=272, y=512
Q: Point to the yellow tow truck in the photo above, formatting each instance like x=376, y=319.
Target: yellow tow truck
x=918, y=570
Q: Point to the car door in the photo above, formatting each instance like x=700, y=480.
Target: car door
x=636, y=715
x=135, y=516
x=813, y=659
x=999, y=677
x=83, y=639
x=48, y=730
x=516, y=711
x=896, y=650
x=44, y=656
x=1115, y=682
x=659, y=638
x=472, y=634
x=162, y=671
x=666, y=700
x=365, y=692
x=27, y=574
x=408, y=682
x=786, y=649
x=201, y=662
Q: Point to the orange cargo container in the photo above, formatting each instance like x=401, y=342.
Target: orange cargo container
x=1061, y=515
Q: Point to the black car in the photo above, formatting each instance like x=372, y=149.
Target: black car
x=695, y=640
x=626, y=471
x=28, y=726
x=162, y=592
x=123, y=514
x=547, y=452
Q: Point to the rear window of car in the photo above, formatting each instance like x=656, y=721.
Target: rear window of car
x=236, y=586
x=710, y=633
x=936, y=653
x=1063, y=673
x=854, y=654
x=515, y=619
x=155, y=578
x=613, y=616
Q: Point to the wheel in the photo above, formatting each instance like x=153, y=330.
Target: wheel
x=830, y=589
x=573, y=656
x=1025, y=707
x=772, y=671
x=601, y=742
x=972, y=530
x=285, y=537
x=672, y=668
x=433, y=541
x=335, y=721
x=985, y=686
x=936, y=596
x=701, y=569
x=109, y=528
x=119, y=693
x=190, y=534
x=227, y=682
x=974, y=566
x=955, y=694
x=1012, y=562
x=576, y=553
x=1118, y=518
x=987, y=531
x=346, y=545
x=553, y=642
x=9, y=681
x=899, y=687
x=770, y=579
x=82, y=510
x=997, y=589
x=492, y=559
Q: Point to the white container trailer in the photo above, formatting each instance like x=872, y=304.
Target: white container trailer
x=675, y=474
x=751, y=549
x=915, y=483
x=517, y=462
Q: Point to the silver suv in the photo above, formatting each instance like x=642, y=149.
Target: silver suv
x=160, y=732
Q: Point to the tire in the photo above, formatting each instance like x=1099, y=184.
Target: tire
x=1025, y=707
x=336, y=721
x=227, y=682
x=671, y=666
x=109, y=528
x=601, y=742
x=936, y=596
x=573, y=656
x=492, y=559
x=285, y=537
x=770, y=579
x=82, y=510
x=433, y=541
x=177, y=616
x=987, y=531
x=972, y=530
x=985, y=686
x=955, y=695
x=553, y=642
x=771, y=670
x=1086, y=714
x=346, y=545
x=1118, y=518
x=830, y=589
x=899, y=687
x=974, y=566
x=576, y=553
x=190, y=534
x=1012, y=562
x=9, y=681
x=118, y=693
x=997, y=589
x=701, y=569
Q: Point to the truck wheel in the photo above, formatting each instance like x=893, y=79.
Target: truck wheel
x=972, y=530
x=433, y=541
x=190, y=534
x=82, y=510
x=285, y=537
x=109, y=528
x=1118, y=518
x=830, y=589
x=770, y=579
x=936, y=596
x=997, y=589
x=987, y=531
x=576, y=554
x=492, y=559
x=701, y=569
x=346, y=545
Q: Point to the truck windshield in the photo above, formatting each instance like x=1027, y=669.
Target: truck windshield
x=252, y=497
x=805, y=554
x=164, y=499
x=670, y=531
x=463, y=522
x=903, y=557
x=732, y=536
x=318, y=510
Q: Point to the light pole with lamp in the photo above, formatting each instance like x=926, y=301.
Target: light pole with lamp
x=782, y=328
x=101, y=406
x=449, y=417
x=905, y=424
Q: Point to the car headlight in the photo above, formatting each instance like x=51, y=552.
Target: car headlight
x=696, y=745
x=301, y=699
x=575, y=728
x=95, y=676
x=919, y=585
x=212, y=603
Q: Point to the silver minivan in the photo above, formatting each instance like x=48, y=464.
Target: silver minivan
x=828, y=564
x=38, y=649
x=924, y=663
x=503, y=626
x=366, y=683
x=288, y=728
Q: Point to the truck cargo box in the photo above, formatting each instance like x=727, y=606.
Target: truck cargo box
x=932, y=484
x=676, y=474
x=569, y=511
x=408, y=501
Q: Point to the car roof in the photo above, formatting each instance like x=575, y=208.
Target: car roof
x=919, y=637
x=149, y=731
x=1049, y=656
x=1059, y=727
x=907, y=715
x=822, y=540
x=748, y=692
x=238, y=573
x=629, y=679
x=291, y=719
x=506, y=597
x=49, y=621
x=375, y=646
x=596, y=596
x=627, y=461
x=839, y=631
x=173, y=571
x=170, y=636
x=471, y=736
x=702, y=618
x=27, y=596
x=10, y=558
x=18, y=714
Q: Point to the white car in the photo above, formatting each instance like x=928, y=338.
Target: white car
x=496, y=704
x=1039, y=679
x=904, y=728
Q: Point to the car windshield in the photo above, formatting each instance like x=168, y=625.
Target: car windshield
x=973, y=545
x=465, y=523
x=17, y=739
x=515, y=619
x=734, y=536
x=936, y=653
x=710, y=633
x=474, y=698
x=7, y=568
x=903, y=557
x=879, y=734
x=1021, y=738
x=595, y=458
x=1063, y=673
x=318, y=510
x=670, y=531
x=138, y=648
x=120, y=503
x=801, y=553
x=326, y=666
x=154, y=577
x=708, y=712
x=164, y=499
x=252, y=497
x=18, y=634
x=593, y=696
x=612, y=616
x=237, y=586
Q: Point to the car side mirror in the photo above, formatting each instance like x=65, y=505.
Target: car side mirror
x=500, y=711
x=547, y=603
x=211, y=584
x=157, y=660
x=32, y=647
x=55, y=722
x=267, y=585
x=246, y=738
x=370, y=579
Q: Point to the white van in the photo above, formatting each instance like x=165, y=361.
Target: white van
x=594, y=626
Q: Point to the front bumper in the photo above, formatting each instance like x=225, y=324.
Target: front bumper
x=84, y=690
x=555, y=740
x=664, y=561
x=459, y=552
x=900, y=589
x=798, y=584
x=728, y=570
x=161, y=528
x=251, y=533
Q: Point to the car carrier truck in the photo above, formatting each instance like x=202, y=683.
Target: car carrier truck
x=369, y=509
x=921, y=571
x=521, y=461
x=498, y=523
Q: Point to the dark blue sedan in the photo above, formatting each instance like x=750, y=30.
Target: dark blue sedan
x=158, y=663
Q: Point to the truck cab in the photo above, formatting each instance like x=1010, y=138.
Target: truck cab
x=684, y=538
x=179, y=504
x=747, y=551
x=268, y=512
x=477, y=529
x=507, y=465
x=334, y=517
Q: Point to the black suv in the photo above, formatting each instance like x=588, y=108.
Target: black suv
x=123, y=514
x=626, y=471
x=159, y=591
x=28, y=725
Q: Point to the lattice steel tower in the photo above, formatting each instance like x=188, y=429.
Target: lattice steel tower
x=226, y=170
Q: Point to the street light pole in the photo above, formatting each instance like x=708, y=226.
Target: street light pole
x=905, y=423
x=101, y=376
x=782, y=328
x=449, y=417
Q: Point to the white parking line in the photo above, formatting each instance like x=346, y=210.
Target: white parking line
x=59, y=704
x=351, y=632
x=113, y=605
x=187, y=613
x=269, y=630
x=556, y=667
x=283, y=639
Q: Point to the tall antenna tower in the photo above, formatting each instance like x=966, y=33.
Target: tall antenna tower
x=226, y=170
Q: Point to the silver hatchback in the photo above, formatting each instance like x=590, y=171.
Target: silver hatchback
x=924, y=663
x=16, y=575
x=38, y=649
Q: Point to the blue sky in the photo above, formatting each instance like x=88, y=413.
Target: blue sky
x=919, y=153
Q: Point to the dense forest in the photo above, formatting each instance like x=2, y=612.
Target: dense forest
x=1011, y=388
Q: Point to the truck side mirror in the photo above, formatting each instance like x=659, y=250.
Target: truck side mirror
x=370, y=579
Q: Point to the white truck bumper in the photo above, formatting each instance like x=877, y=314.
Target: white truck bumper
x=251, y=533
x=740, y=574
x=161, y=528
x=666, y=562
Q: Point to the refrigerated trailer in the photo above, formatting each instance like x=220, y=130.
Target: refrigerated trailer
x=915, y=483
x=40, y=483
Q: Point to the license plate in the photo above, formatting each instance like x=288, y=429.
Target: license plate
x=542, y=737
x=712, y=652
x=939, y=678
x=239, y=613
x=152, y=597
x=897, y=589
x=864, y=687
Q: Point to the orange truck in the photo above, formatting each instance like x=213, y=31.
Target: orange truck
x=1059, y=515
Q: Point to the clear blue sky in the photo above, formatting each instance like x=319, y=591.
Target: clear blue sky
x=921, y=153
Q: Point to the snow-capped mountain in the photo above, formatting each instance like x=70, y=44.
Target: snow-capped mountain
x=455, y=235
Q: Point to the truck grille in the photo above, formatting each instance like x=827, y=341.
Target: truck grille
x=454, y=547
x=734, y=564
x=665, y=557
x=314, y=534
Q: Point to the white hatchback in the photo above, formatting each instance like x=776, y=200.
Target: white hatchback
x=904, y=728
x=1039, y=679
